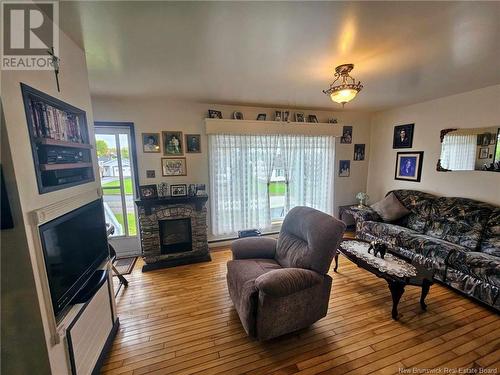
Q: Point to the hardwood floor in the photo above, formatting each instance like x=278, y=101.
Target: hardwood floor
x=181, y=321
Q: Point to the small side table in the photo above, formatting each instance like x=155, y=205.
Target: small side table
x=344, y=211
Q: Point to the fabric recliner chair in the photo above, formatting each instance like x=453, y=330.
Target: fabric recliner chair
x=282, y=286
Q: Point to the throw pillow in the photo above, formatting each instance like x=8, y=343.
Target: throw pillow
x=390, y=208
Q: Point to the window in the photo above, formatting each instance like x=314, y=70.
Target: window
x=256, y=179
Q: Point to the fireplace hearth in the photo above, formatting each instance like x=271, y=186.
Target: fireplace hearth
x=173, y=231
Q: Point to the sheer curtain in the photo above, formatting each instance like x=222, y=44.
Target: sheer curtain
x=458, y=152
x=241, y=167
x=309, y=171
x=240, y=170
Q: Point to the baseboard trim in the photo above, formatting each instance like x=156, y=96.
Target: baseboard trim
x=107, y=346
x=175, y=262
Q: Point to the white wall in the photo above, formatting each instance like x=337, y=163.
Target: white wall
x=151, y=115
x=478, y=108
x=23, y=192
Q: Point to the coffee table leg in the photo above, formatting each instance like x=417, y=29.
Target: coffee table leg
x=426, y=285
x=397, y=290
x=336, y=262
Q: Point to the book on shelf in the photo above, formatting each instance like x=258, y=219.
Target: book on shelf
x=53, y=123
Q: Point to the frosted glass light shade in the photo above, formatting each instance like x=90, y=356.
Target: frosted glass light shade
x=344, y=95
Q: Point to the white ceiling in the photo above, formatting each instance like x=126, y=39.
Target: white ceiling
x=284, y=53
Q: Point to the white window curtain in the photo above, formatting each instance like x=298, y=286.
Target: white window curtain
x=458, y=152
x=241, y=167
x=309, y=171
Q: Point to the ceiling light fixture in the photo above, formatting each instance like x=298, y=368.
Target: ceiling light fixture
x=346, y=88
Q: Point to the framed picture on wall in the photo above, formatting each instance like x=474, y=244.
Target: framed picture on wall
x=173, y=167
x=484, y=153
x=403, y=136
x=193, y=143
x=344, y=168
x=409, y=166
x=359, y=152
x=172, y=143
x=346, y=135
x=150, y=142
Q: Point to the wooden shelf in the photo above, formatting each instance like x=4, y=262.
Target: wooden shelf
x=56, y=167
x=55, y=142
x=228, y=126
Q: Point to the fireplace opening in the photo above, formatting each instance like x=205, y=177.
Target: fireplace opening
x=175, y=235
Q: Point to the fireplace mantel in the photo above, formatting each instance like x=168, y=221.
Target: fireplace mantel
x=199, y=201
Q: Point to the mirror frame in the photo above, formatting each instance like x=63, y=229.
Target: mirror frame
x=443, y=132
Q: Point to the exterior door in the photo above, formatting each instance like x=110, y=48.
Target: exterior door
x=115, y=148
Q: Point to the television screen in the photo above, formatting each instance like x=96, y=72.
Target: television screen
x=74, y=246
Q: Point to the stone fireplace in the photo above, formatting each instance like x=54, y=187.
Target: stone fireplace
x=173, y=231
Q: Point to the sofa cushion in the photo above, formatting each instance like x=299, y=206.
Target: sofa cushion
x=491, y=236
x=389, y=233
x=482, y=266
x=459, y=220
x=430, y=247
x=419, y=204
x=241, y=275
x=390, y=208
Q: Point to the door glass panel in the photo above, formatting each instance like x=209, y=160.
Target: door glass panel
x=128, y=186
x=113, y=153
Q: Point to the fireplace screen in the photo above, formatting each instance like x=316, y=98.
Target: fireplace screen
x=175, y=236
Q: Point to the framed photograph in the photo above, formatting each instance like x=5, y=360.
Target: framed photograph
x=277, y=115
x=403, y=136
x=150, y=142
x=299, y=117
x=179, y=190
x=212, y=113
x=172, y=143
x=484, y=153
x=148, y=192
x=344, y=168
x=486, y=139
x=359, y=152
x=173, y=167
x=163, y=189
x=285, y=116
x=409, y=166
x=238, y=115
x=150, y=173
x=332, y=121
x=346, y=135
x=193, y=143
x=200, y=189
x=313, y=118
x=261, y=117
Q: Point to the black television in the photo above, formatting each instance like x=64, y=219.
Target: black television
x=74, y=246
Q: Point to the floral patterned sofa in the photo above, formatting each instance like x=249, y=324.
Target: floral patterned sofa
x=458, y=238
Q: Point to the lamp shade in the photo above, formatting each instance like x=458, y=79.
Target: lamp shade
x=344, y=95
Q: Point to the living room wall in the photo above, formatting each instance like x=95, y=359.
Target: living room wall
x=478, y=108
x=24, y=318
x=158, y=114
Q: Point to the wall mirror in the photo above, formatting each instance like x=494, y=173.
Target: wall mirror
x=474, y=149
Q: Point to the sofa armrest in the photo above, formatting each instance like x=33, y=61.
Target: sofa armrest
x=285, y=281
x=254, y=247
x=366, y=213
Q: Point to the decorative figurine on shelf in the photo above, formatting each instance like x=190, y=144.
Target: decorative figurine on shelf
x=362, y=198
x=378, y=248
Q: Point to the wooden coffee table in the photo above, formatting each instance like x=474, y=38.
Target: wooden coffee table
x=398, y=272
